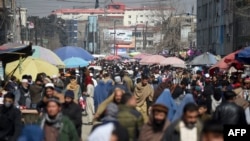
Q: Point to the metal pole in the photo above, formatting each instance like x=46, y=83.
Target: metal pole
x=114, y=37
x=135, y=37
x=93, y=38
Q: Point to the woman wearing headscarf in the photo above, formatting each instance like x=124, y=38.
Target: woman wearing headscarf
x=162, y=86
x=188, y=98
x=100, y=93
x=75, y=87
x=166, y=99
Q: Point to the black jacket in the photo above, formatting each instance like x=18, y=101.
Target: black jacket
x=230, y=113
x=74, y=112
x=10, y=123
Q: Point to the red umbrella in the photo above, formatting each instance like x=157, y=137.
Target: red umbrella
x=140, y=56
x=112, y=57
x=226, y=62
x=152, y=59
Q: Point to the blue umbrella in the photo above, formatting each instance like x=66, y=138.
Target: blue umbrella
x=75, y=62
x=70, y=51
x=204, y=59
x=243, y=55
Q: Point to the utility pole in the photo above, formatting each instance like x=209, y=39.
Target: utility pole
x=135, y=37
x=35, y=24
x=115, y=37
x=145, y=36
x=93, y=38
x=20, y=24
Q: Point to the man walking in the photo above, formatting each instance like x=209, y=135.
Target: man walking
x=188, y=128
x=55, y=125
x=73, y=111
x=10, y=119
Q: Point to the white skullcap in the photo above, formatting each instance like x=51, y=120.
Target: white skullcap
x=24, y=81
x=49, y=85
x=118, y=79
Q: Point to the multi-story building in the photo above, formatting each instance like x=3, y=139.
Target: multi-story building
x=139, y=20
x=215, y=26
x=149, y=15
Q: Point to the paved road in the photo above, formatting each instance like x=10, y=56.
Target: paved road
x=85, y=129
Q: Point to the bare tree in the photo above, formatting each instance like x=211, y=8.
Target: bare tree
x=167, y=24
x=241, y=7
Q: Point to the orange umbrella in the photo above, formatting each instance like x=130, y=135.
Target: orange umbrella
x=152, y=59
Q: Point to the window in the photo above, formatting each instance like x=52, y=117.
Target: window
x=146, y=15
x=150, y=35
x=150, y=42
x=141, y=22
x=141, y=16
x=152, y=21
x=129, y=16
x=129, y=22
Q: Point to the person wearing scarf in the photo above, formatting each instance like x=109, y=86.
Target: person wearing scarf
x=188, y=98
x=55, y=125
x=158, y=123
x=90, y=109
x=144, y=95
x=166, y=99
x=75, y=87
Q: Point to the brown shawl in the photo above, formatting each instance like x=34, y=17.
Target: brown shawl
x=160, y=89
x=147, y=133
x=142, y=93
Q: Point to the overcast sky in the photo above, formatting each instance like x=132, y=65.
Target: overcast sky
x=44, y=7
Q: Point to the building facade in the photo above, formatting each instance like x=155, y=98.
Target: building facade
x=150, y=15
x=215, y=26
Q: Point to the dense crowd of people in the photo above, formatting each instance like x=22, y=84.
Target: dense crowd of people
x=125, y=102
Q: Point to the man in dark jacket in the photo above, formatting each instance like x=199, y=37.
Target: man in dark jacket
x=10, y=119
x=188, y=128
x=73, y=111
x=129, y=117
x=36, y=92
x=228, y=112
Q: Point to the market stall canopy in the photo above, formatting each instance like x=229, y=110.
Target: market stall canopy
x=173, y=61
x=30, y=66
x=226, y=62
x=75, y=62
x=125, y=56
x=243, y=55
x=12, y=51
x=153, y=59
x=48, y=56
x=112, y=57
x=71, y=51
x=204, y=59
x=141, y=56
x=134, y=53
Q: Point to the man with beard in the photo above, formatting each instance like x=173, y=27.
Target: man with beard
x=55, y=125
x=73, y=111
x=49, y=93
x=158, y=123
x=23, y=94
x=115, y=98
x=144, y=97
x=10, y=119
x=188, y=128
x=36, y=92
